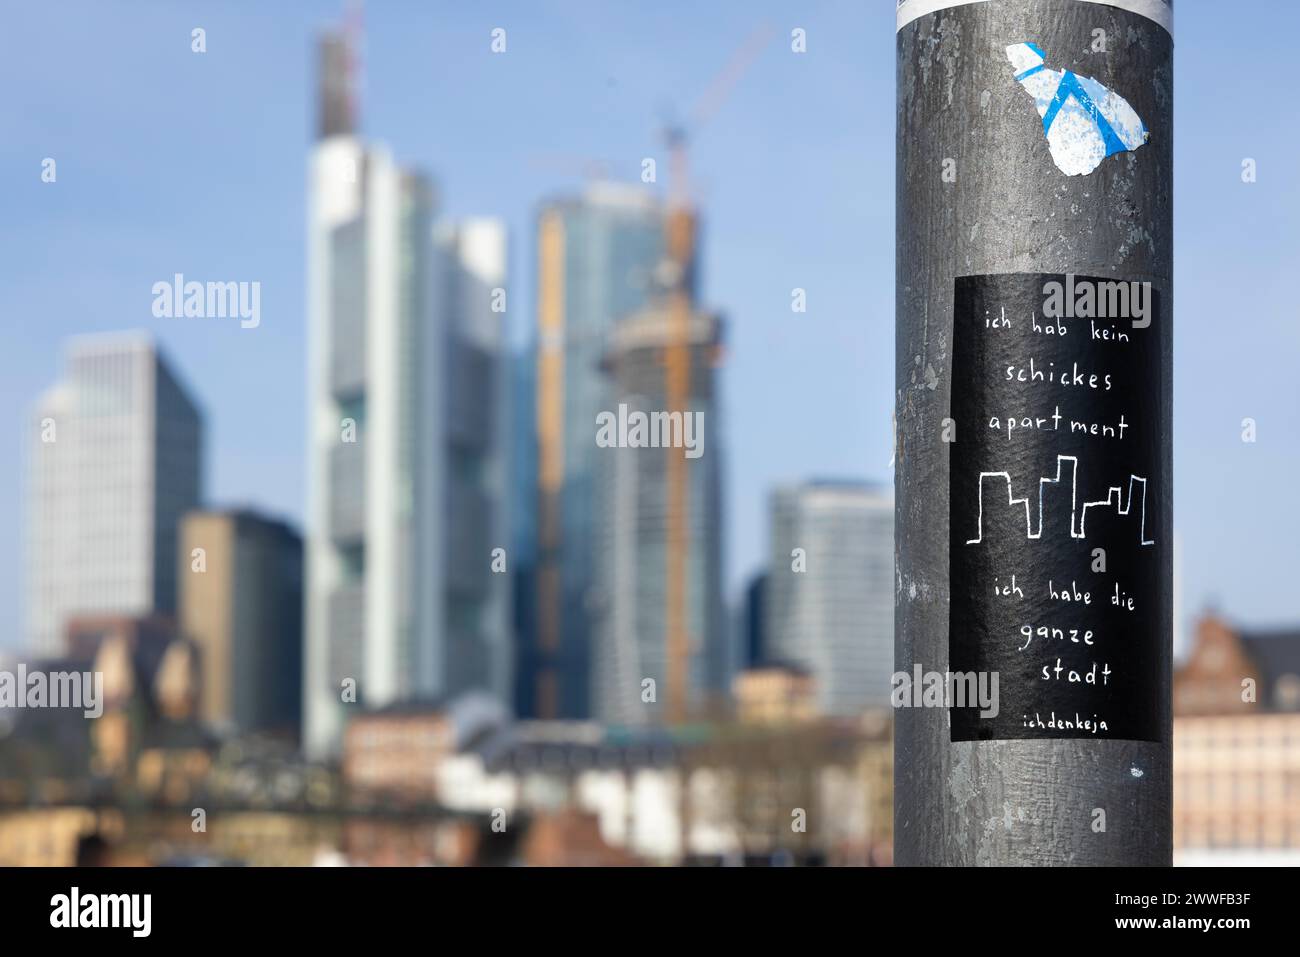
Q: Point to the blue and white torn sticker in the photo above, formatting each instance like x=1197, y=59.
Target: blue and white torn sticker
x=1083, y=121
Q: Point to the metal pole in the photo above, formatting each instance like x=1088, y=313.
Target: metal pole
x=1029, y=494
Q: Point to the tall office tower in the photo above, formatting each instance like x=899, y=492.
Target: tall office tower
x=830, y=605
x=241, y=604
x=115, y=462
x=408, y=400
x=598, y=262
x=473, y=457
x=753, y=647
x=631, y=640
x=523, y=520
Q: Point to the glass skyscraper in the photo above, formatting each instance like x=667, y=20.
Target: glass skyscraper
x=408, y=412
x=631, y=623
x=599, y=262
x=830, y=606
x=115, y=461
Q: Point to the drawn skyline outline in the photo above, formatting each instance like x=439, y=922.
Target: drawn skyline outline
x=1078, y=516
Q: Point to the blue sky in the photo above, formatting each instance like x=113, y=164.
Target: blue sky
x=170, y=161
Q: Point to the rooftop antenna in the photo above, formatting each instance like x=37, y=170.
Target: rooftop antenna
x=354, y=23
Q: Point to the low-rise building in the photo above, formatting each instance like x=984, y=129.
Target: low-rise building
x=1237, y=746
x=775, y=694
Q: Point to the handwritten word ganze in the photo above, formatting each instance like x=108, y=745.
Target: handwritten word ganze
x=1046, y=632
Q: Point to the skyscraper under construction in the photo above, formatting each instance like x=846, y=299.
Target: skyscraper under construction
x=600, y=260
x=634, y=626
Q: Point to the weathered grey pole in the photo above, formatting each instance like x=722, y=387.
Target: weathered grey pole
x=1034, y=155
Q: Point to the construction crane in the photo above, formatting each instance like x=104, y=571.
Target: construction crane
x=680, y=249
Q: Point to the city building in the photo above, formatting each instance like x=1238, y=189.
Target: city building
x=599, y=261
x=1237, y=747
x=472, y=456
x=753, y=650
x=1232, y=671
x=130, y=689
x=241, y=604
x=816, y=792
x=397, y=754
x=407, y=452
x=830, y=590
x=775, y=694
x=393, y=754
x=708, y=794
x=151, y=682
x=629, y=604
x=523, y=532
x=1237, y=787
x=115, y=461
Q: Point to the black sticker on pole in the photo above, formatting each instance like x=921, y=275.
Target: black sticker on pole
x=1057, y=534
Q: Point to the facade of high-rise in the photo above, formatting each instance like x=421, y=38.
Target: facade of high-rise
x=474, y=457
x=753, y=647
x=241, y=604
x=523, y=518
x=630, y=606
x=600, y=260
x=830, y=590
x=407, y=458
x=115, y=461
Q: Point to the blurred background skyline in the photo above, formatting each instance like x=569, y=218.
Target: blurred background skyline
x=174, y=162
x=307, y=629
